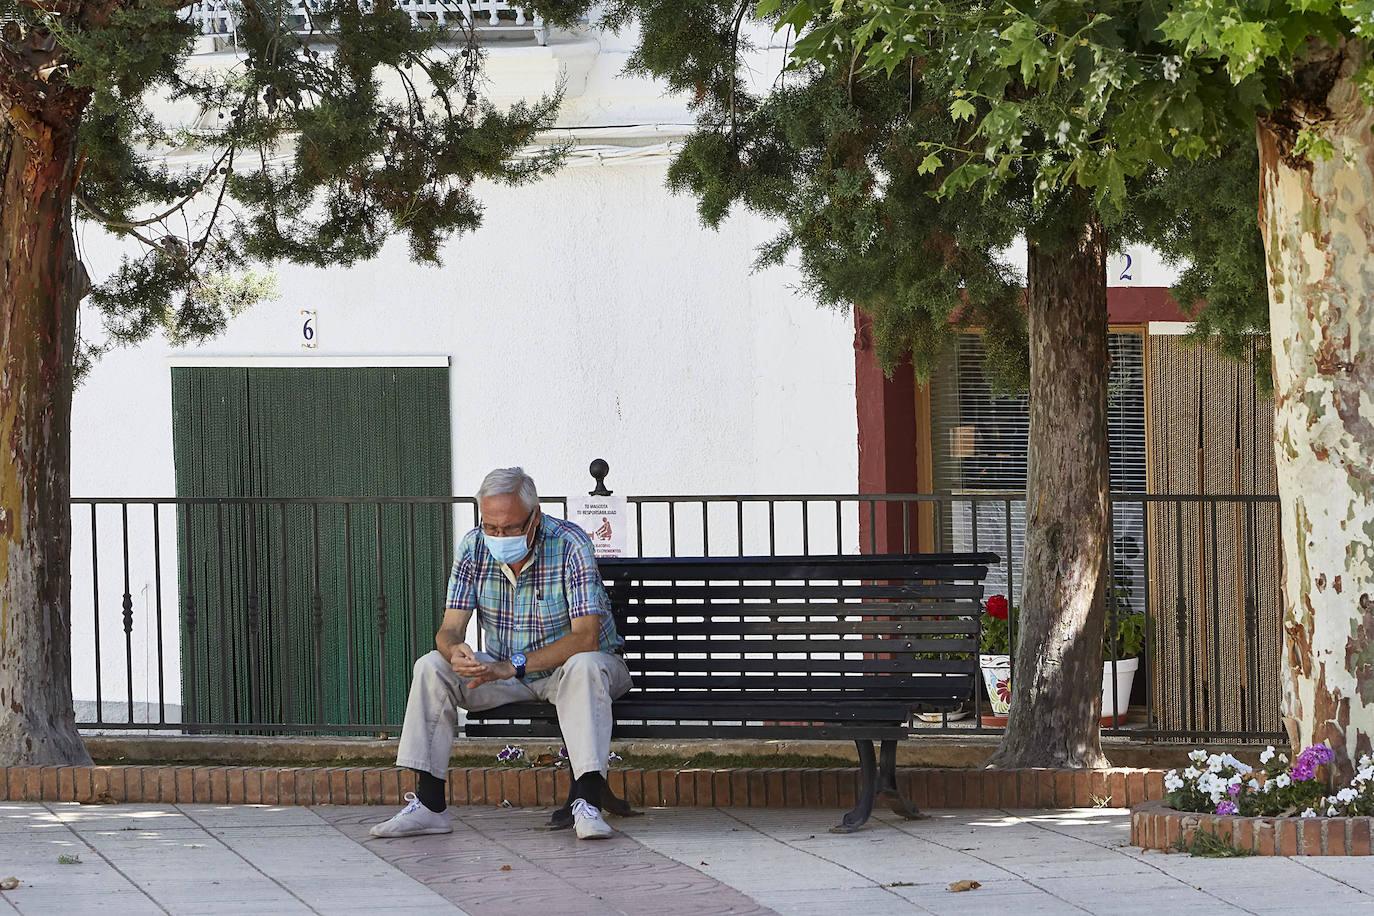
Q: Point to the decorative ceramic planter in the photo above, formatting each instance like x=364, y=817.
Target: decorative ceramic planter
x=997, y=678
x=1115, y=714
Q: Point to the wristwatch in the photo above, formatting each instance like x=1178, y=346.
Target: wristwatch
x=518, y=660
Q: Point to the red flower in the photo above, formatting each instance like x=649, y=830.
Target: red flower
x=997, y=607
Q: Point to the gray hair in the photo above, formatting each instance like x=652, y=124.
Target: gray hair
x=510, y=480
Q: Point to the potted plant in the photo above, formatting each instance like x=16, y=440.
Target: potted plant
x=1122, y=642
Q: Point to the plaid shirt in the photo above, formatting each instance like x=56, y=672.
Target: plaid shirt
x=561, y=581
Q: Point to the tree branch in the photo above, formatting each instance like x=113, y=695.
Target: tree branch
x=113, y=223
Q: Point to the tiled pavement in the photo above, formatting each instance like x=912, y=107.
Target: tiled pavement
x=220, y=859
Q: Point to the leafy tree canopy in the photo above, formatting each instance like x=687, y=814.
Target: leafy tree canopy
x=900, y=169
x=321, y=140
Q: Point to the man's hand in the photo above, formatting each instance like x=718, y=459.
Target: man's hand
x=466, y=663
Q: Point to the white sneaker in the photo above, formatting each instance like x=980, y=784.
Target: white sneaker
x=589, y=822
x=413, y=820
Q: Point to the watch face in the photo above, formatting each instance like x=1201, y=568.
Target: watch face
x=517, y=659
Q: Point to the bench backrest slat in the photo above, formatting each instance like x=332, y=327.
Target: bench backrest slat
x=766, y=683
x=892, y=626
x=722, y=649
x=720, y=591
x=665, y=628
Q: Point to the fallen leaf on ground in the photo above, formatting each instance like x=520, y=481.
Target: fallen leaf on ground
x=505, y=868
x=544, y=760
x=8, y=884
x=965, y=885
x=705, y=863
x=104, y=798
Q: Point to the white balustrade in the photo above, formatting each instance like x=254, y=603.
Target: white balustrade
x=216, y=17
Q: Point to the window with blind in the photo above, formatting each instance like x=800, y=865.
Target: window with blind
x=978, y=443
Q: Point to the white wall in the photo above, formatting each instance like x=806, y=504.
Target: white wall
x=593, y=300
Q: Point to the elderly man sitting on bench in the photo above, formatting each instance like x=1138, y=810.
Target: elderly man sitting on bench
x=550, y=635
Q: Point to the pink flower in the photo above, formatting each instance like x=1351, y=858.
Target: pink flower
x=1226, y=807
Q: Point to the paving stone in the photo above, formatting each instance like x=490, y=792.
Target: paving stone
x=548, y=871
x=995, y=896
x=211, y=816
x=868, y=900
x=216, y=859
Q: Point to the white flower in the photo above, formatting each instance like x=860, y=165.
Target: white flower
x=1331, y=812
x=1191, y=773
x=1253, y=784
x=1197, y=756
x=1170, y=66
x=1268, y=754
x=1346, y=795
x=1282, y=780
x=1309, y=813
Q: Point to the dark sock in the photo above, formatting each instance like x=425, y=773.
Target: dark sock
x=588, y=787
x=430, y=790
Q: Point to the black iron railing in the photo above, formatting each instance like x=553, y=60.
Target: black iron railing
x=267, y=615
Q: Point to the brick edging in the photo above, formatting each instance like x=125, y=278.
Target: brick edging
x=1154, y=825
x=542, y=786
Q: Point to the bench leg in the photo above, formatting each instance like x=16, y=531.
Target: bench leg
x=868, y=784
x=888, y=793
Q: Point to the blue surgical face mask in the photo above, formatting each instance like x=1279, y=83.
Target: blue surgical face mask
x=507, y=550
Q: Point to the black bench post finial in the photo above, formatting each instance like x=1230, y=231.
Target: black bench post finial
x=599, y=469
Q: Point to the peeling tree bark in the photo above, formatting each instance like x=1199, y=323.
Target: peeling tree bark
x=1317, y=219
x=1056, y=689
x=41, y=282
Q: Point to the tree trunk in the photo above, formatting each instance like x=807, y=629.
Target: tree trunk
x=1056, y=687
x=1317, y=219
x=41, y=282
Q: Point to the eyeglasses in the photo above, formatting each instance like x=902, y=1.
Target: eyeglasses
x=509, y=531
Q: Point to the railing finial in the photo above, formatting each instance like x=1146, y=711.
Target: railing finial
x=599, y=469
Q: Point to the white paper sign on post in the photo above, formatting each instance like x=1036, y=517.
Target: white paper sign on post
x=606, y=519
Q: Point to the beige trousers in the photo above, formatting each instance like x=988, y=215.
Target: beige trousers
x=581, y=689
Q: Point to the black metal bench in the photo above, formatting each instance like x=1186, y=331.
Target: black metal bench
x=834, y=647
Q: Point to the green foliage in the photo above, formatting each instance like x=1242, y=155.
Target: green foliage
x=1126, y=641
x=900, y=166
x=838, y=166
x=1204, y=215
x=315, y=148
x=1122, y=86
